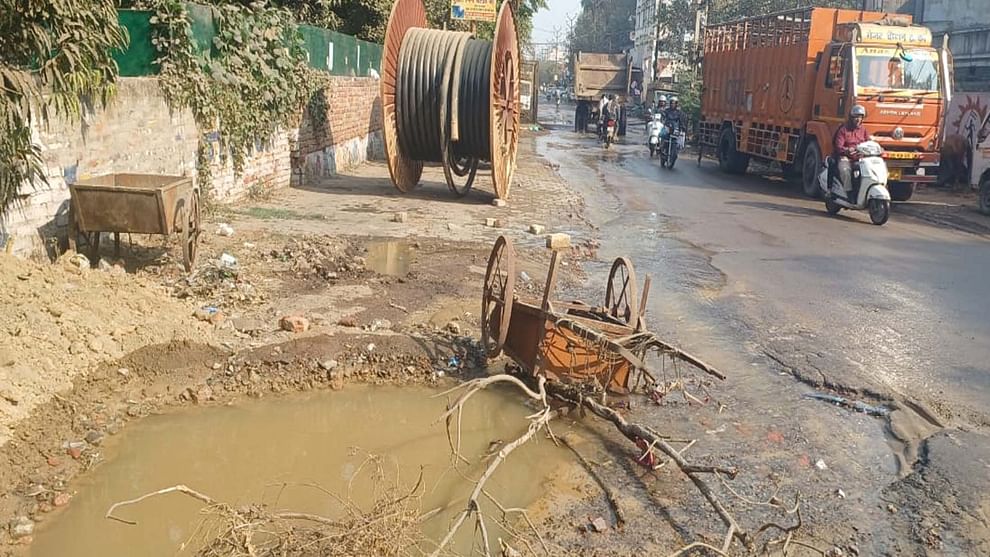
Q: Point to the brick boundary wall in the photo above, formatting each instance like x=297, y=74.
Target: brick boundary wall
x=138, y=133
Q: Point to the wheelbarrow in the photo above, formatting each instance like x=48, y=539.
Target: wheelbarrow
x=135, y=204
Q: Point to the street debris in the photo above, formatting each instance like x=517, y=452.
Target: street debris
x=224, y=229
x=210, y=314
x=400, y=217
x=820, y=464
x=856, y=405
x=536, y=229
x=599, y=525
x=294, y=323
x=558, y=241
x=498, y=202
x=493, y=223
x=227, y=261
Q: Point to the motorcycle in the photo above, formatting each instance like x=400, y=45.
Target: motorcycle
x=670, y=145
x=609, y=132
x=869, y=185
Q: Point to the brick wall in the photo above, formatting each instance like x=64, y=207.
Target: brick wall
x=135, y=133
x=138, y=133
x=340, y=128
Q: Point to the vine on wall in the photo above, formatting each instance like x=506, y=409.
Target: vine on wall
x=54, y=60
x=254, y=83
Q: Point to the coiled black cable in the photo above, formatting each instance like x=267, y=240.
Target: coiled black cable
x=438, y=70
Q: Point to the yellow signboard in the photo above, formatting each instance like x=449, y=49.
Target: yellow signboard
x=472, y=10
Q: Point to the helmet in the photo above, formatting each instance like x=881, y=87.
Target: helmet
x=611, y=97
x=858, y=110
x=673, y=100
x=662, y=99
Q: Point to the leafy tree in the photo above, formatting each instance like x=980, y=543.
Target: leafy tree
x=603, y=26
x=55, y=59
x=728, y=10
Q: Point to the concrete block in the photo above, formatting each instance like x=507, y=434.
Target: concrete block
x=401, y=216
x=499, y=202
x=558, y=241
x=536, y=229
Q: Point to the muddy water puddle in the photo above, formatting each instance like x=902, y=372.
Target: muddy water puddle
x=389, y=258
x=243, y=454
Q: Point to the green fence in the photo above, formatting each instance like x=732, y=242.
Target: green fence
x=326, y=50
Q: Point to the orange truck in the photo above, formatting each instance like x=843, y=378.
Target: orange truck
x=777, y=87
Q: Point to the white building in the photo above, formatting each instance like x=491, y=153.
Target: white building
x=646, y=37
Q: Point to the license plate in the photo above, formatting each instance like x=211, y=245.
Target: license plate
x=899, y=155
x=894, y=174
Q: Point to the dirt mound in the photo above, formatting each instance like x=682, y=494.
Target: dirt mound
x=177, y=354
x=59, y=320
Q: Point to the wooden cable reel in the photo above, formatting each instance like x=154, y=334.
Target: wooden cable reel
x=451, y=99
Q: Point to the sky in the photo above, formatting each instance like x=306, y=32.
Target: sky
x=555, y=15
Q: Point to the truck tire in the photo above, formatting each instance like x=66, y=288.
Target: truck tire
x=811, y=165
x=901, y=191
x=730, y=160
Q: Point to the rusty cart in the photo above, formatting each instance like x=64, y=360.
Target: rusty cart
x=136, y=204
x=602, y=347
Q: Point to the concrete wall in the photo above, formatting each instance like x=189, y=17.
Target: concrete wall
x=138, y=133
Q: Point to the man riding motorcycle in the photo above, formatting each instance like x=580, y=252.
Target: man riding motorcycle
x=673, y=117
x=610, y=111
x=844, y=144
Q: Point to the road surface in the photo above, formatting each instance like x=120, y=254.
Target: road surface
x=792, y=300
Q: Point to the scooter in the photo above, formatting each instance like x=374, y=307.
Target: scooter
x=670, y=146
x=869, y=185
x=609, y=132
x=656, y=129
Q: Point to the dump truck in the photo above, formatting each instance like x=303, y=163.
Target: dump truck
x=778, y=87
x=597, y=74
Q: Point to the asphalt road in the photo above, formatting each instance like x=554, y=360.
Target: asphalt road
x=788, y=300
x=898, y=312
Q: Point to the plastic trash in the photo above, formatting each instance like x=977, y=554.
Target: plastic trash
x=224, y=229
x=454, y=361
x=523, y=276
x=227, y=261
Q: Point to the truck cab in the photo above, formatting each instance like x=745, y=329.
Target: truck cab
x=895, y=73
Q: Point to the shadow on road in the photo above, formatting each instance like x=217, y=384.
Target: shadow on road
x=431, y=188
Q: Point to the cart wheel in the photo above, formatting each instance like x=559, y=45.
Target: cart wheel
x=190, y=233
x=620, y=295
x=496, y=300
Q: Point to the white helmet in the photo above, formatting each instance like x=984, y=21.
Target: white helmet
x=662, y=99
x=673, y=100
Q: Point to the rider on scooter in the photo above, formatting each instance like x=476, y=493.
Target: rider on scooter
x=844, y=144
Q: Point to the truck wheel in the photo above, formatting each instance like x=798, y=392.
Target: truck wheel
x=810, y=168
x=730, y=160
x=901, y=191
x=985, y=194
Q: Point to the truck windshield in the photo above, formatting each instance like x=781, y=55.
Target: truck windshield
x=883, y=68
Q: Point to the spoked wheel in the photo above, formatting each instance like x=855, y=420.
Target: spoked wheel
x=620, y=295
x=190, y=233
x=496, y=300
x=504, y=116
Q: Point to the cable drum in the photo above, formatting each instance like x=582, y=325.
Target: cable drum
x=439, y=102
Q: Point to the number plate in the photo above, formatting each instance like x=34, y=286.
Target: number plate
x=894, y=174
x=899, y=155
